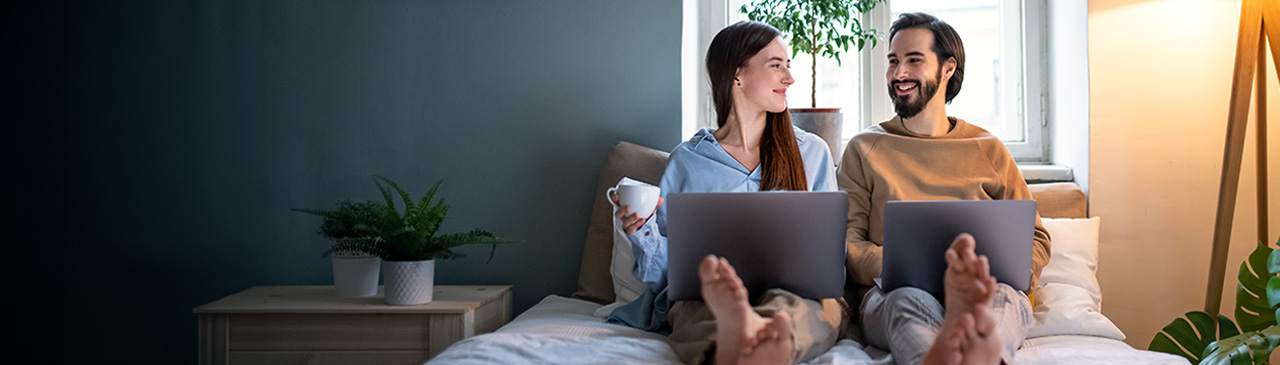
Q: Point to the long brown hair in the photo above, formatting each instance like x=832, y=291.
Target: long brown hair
x=779, y=153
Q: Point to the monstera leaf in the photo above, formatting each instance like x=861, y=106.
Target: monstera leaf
x=1178, y=335
x=1245, y=348
x=1253, y=311
x=1273, y=284
x=1220, y=341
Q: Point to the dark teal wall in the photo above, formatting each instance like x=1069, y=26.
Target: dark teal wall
x=187, y=129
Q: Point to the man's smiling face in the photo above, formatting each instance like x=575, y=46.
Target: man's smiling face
x=911, y=62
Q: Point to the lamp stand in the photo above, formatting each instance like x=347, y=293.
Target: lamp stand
x=1255, y=15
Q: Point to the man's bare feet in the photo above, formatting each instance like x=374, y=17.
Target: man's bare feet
x=968, y=328
x=980, y=344
x=742, y=336
x=968, y=281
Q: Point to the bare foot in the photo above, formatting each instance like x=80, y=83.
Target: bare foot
x=969, y=341
x=967, y=335
x=741, y=334
x=947, y=348
x=968, y=281
x=772, y=345
x=980, y=343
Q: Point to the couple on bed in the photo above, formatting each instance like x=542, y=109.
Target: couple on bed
x=921, y=154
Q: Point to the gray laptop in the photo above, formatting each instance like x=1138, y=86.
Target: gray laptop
x=918, y=233
x=789, y=240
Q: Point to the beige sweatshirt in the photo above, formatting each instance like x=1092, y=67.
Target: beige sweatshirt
x=888, y=162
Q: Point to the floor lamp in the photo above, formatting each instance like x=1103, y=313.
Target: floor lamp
x=1259, y=21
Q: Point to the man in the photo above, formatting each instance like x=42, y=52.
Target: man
x=922, y=154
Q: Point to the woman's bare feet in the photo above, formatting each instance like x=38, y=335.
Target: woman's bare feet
x=742, y=336
x=968, y=329
x=773, y=343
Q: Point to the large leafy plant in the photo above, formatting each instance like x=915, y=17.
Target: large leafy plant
x=817, y=27
x=411, y=235
x=1219, y=340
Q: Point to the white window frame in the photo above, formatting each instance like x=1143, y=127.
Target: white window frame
x=703, y=18
x=1033, y=96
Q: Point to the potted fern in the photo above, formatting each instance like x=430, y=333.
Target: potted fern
x=410, y=245
x=354, y=251
x=819, y=28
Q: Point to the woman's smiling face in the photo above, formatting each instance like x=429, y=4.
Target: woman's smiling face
x=763, y=81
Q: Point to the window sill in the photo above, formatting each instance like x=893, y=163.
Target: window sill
x=1046, y=173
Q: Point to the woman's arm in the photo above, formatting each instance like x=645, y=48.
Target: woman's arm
x=649, y=245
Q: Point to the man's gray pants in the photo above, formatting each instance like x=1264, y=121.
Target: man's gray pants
x=906, y=321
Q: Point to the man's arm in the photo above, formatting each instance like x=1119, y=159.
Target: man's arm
x=1015, y=187
x=863, y=259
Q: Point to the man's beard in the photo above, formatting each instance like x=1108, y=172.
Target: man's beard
x=924, y=93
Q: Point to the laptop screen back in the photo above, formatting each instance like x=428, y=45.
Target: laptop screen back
x=788, y=240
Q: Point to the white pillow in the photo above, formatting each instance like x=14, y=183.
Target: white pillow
x=1068, y=300
x=626, y=287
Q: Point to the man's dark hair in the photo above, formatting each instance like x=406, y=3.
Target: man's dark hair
x=946, y=44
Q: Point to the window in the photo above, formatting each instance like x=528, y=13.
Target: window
x=1004, y=86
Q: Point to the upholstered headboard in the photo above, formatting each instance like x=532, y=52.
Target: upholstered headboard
x=1054, y=200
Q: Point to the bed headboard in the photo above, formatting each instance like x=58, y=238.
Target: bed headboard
x=1054, y=200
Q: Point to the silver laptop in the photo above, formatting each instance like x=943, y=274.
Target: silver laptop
x=918, y=233
x=789, y=240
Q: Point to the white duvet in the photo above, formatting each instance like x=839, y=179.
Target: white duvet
x=561, y=330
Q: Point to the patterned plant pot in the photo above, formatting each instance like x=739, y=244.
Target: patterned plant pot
x=409, y=282
x=355, y=275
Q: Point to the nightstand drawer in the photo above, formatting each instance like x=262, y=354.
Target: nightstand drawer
x=308, y=324
x=329, y=332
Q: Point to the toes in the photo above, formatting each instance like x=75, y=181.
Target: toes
x=726, y=270
x=967, y=327
x=708, y=270
x=983, y=267
x=953, y=259
x=782, y=323
x=964, y=244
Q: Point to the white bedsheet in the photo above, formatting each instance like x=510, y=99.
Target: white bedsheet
x=561, y=330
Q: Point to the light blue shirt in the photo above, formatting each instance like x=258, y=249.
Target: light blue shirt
x=701, y=165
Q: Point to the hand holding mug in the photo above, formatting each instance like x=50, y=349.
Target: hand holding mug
x=634, y=203
x=631, y=222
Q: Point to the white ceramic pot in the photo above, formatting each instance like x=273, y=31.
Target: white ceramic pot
x=355, y=275
x=408, y=282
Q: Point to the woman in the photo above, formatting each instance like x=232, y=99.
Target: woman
x=755, y=148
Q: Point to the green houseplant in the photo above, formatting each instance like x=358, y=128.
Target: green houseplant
x=406, y=242
x=817, y=27
x=347, y=226
x=410, y=244
x=1220, y=341
x=354, y=251
x=820, y=28
x=412, y=235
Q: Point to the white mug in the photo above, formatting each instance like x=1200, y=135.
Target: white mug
x=641, y=197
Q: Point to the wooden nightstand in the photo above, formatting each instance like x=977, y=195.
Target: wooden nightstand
x=308, y=324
